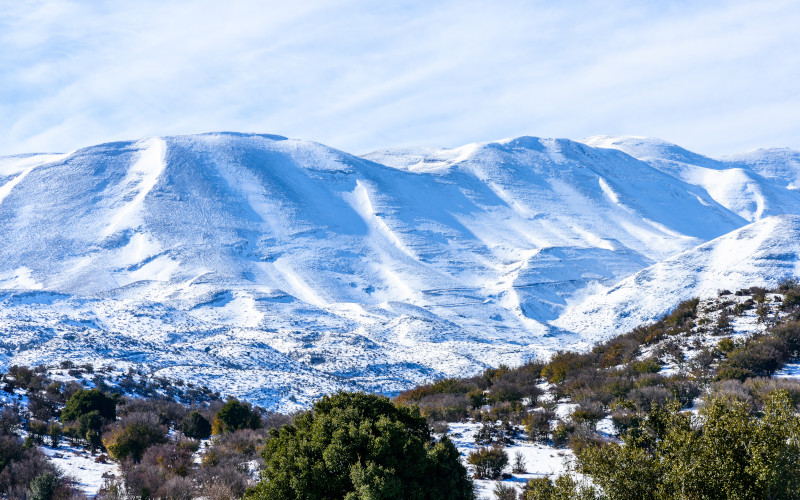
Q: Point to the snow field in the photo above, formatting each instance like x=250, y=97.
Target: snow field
x=279, y=270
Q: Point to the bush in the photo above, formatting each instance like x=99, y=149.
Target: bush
x=444, y=407
x=44, y=486
x=729, y=453
x=86, y=401
x=761, y=356
x=489, y=462
x=645, y=397
x=23, y=467
x=564, y=363
x=131, y=436
x=563, y=488
x=561, y=433
x=172, y=459
x=788, y=334
x=649, y=365
x=234, y=416
x=537, y=425
x=519, y=463
x=624, y=418
x=683, y=389
x=196, y=426
x=504, y=492
x=791, y=298
x=588, y=414
x=761, y=388
x=683, y=313
x=357, y=445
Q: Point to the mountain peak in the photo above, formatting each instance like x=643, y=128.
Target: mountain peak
x=289, y=268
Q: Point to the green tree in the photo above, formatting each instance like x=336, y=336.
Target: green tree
x=360, y=446
x=728, y=453
x=489, y=462
x=235, y=416
x=86, y=401
x=563, y=488
x=43, y=487
x=55, y=434
x=196, y=426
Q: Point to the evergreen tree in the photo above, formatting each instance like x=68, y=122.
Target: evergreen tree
x=728, y=453
x=360, y=446
x=196, y=426
x=86, y=401
x=235, y=416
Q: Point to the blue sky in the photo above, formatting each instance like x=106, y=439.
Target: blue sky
x=715, y=77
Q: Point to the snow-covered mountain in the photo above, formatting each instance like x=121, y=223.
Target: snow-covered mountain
x=279, y=269
x=753, y=185
x=758, y=254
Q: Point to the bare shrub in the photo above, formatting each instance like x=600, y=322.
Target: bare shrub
x=645, y=397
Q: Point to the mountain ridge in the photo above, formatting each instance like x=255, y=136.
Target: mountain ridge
x=335, y=270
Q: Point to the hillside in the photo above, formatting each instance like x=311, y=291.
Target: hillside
x=759, y=254
x=277, y=269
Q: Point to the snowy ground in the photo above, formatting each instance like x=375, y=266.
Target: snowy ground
x=82, y=466
x=541, y=460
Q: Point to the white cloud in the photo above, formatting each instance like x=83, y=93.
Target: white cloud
x=716, y=77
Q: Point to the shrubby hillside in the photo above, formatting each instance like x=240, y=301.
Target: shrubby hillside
x=703, y=403
x=703, y=400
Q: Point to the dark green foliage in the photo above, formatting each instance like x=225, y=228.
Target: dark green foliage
x=43, y=487
x=731, y=453
x=10, y=448
x=683, y=314
x=788, y=333
x=563, y=488
x=360, y=446
x=86, y=401
x=649, y=365
x=792, y=298
x=723, y=326
x=54, y=431
x=196, y=426
x=489, y=462
x=37, y=430
x=565, y=363
x=234, y=416
x=476, y=398
x=539, y=488
x=761, y=357
x=519, y=465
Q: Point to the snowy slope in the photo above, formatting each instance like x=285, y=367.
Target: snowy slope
x=279, y=269
x=753, y=185
x=759, y=254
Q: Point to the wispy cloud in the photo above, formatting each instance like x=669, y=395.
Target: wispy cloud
x=716, y=77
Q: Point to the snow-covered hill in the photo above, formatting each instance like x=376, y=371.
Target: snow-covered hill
x=753, y=185
x=759, y=254
x=279, y=269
